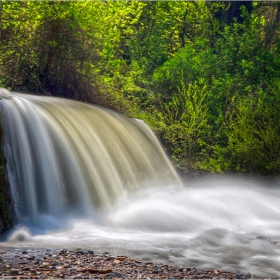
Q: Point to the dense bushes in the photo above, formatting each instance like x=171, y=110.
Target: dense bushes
x=206, y=82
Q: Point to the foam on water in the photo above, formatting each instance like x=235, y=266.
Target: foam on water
x=227, y=224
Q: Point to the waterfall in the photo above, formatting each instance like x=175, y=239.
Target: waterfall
x=63, y=154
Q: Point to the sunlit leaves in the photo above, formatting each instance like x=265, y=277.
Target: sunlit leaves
x=208, y=87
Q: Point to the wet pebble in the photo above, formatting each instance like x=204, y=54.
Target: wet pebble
x=63, y=251
x=14, y=272
x=114, y=274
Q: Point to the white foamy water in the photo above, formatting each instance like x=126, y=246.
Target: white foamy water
x=228, y=224
x=63, y=154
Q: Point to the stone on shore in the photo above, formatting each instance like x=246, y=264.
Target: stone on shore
x=84, y=264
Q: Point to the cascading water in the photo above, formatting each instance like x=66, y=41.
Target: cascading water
x=63, y=154
x=83, y=176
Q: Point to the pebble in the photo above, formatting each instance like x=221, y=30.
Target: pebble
x=80, y=264
x=114, y=274
x=63, y=251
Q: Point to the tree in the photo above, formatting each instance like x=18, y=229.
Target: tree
x=231, y=11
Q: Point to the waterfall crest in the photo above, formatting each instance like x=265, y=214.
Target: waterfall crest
x=63, y=154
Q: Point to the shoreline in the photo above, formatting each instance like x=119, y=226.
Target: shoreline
x=20, y=263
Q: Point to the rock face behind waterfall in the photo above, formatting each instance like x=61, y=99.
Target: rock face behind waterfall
x=6, y=207
x=64, y=155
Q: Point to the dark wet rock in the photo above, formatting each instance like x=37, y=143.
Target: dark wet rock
x=26, y=269
x=14, y=272
x=80, y=251
x=110, y=258
x=98, y=270
x=181, y=269
x=247, y=275
x=63, y=251
x=24, y=252
x=114, y=274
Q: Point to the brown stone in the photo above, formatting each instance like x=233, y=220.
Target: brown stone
x=105, y=270
x=98, y=270
x=120, y=258
x=81, y=270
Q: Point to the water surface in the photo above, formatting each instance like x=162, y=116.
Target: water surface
x=213, y=223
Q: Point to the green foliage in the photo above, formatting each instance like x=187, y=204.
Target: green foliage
x=206, y=82
x=186, y=120
x=49, y=48
x=189, y=64
x=254, y=134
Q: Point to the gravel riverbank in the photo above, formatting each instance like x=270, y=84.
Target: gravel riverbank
x=84, y=264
